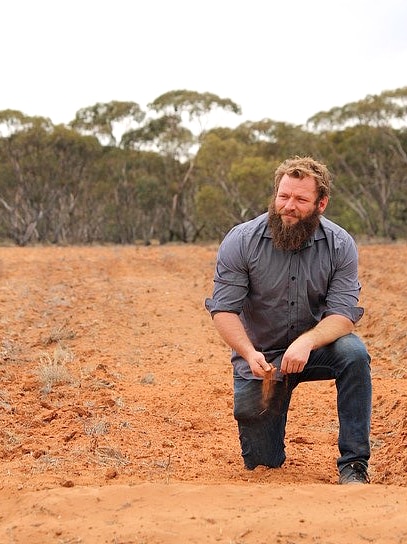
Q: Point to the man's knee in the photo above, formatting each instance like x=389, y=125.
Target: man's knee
x=351, y=348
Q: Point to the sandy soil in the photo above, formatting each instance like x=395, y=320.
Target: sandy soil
x=116, y=409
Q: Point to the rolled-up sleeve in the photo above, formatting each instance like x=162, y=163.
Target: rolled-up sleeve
x=344, y=289
x=231, y=280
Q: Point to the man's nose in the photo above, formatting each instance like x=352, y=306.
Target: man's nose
x=290, y=204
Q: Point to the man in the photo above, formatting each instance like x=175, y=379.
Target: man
x=285, y=300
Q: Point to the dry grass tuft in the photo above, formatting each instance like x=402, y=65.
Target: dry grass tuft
x=59, y=333
x=52, y=370
x=97, y=428
x=109, y=456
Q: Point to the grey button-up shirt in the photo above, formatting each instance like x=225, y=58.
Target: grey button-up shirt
x=281, y=294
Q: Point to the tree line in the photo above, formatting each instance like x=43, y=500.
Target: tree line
x=118, y=174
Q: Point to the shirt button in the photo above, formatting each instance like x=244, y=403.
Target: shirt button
x=293, y=278
x=292, y=326
x=292, y=303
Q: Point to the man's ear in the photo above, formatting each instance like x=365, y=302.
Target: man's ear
x=322, y=204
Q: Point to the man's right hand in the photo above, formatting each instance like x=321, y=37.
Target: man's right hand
x=233, y=333
x=258, y=365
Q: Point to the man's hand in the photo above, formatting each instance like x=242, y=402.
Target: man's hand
x=328, y=330
x=296, y=356
x=258, y=364
x=233, y=333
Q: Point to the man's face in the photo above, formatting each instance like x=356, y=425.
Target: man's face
x=294, y=213
x=296, y=199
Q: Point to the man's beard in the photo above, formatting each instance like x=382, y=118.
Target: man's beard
x=291, y=237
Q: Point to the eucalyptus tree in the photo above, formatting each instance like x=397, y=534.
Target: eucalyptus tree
x=193, y=107
x=19, y=196
x=388, y=108
x=175, y=130
x=104, y=120
x=365, y=144
x=43, y=172
x=234, y=182
x=133, y=194
x=276, y=140
x=170, y=141
x=14, y=121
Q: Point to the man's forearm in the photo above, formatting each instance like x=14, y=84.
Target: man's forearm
x=328, y=330
x=231, y=330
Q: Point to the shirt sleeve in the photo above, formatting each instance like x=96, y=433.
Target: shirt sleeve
x=231, y=280
x=344, y=289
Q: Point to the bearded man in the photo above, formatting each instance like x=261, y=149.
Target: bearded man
x=285, y=299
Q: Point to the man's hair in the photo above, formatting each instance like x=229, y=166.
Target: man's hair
x=301, y=167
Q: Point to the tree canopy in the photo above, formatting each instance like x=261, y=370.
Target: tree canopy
x=120, y=174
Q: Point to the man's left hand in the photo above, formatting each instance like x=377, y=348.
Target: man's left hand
x=296, y=356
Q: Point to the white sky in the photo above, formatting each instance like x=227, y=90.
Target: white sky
x=280, y=59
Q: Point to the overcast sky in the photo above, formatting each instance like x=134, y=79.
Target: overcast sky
x=280, y=59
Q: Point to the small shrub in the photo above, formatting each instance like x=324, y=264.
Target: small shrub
x=148, y=379
x=52, y=370
x=59, y=333
x=97, y=428
x=108, y=456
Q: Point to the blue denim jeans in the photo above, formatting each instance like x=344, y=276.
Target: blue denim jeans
x=262, y=430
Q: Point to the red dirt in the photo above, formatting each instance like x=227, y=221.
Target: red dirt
x=137, y=444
